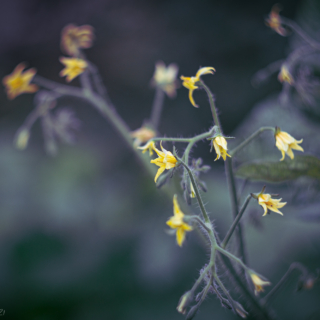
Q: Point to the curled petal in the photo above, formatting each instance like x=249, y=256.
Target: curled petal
x=205, y=70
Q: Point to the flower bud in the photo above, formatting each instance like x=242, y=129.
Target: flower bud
x=185, y=301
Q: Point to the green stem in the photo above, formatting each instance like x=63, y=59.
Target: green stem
x=157, y=108
x=225, y=291
x=199, y=280
x=231, y=256
x=249, y=139
x=234, y=203
x=199, y=221
x=235, y=222
x=204, y=293
x=195, y=140
x=195, y=186
x=236, y=281
x=212, y=105
x=294, y=266
x=173, y=139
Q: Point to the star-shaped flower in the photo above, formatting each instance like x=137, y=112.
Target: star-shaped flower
x=220, y=146
x=190, y=82
x=176, y=222
x=274, y=21
x=165, y=161
x=74, y=38
x=18, y=82
x=286, y=143
x=165, y=78
x=266, y=202
x=73, y=67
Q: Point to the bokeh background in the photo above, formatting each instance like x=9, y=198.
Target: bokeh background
x=83, y=234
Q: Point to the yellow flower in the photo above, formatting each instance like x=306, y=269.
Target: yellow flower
x=285, y=75
x=220, y=146
x=18, y=82
x=149, y=146
x=142, y=135
x=165, y=161
x=266, y=202
x=176, y=222
x=285, y=143
x=73, y=67
x=190, y=82
x=165, y=78
x=258, y=283
x=274, y=21
x=73, y=38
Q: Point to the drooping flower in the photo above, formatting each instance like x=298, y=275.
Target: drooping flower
x=258, y=283
x=274, y=21
x=286, y=143
x=266, y=202
x=165, y=161
x=142, y=135
x=149, y=146
x=18, y=82
x=220, y=146
x=73, y=67
x=74, y=38
x=176, y=222
x=285, y=75
x=190, y=82
x=165, y=78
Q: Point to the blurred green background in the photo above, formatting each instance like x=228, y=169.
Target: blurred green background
x=83, y=234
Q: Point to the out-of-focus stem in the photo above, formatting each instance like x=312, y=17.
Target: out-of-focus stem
x=295, y=266
x=172, y=139
x=101, y=105
x=295, y=27
x=157, y=108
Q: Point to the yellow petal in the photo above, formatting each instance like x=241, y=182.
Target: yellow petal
x=204, y=70
x=160, y=170
x=176, y=207
x=181, y=234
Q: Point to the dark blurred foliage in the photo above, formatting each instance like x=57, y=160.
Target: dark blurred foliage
x=83, y=234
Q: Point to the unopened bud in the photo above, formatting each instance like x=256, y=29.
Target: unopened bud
x=192, y=312
x=22, y=139
x=185, y=301
x=240, y=310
